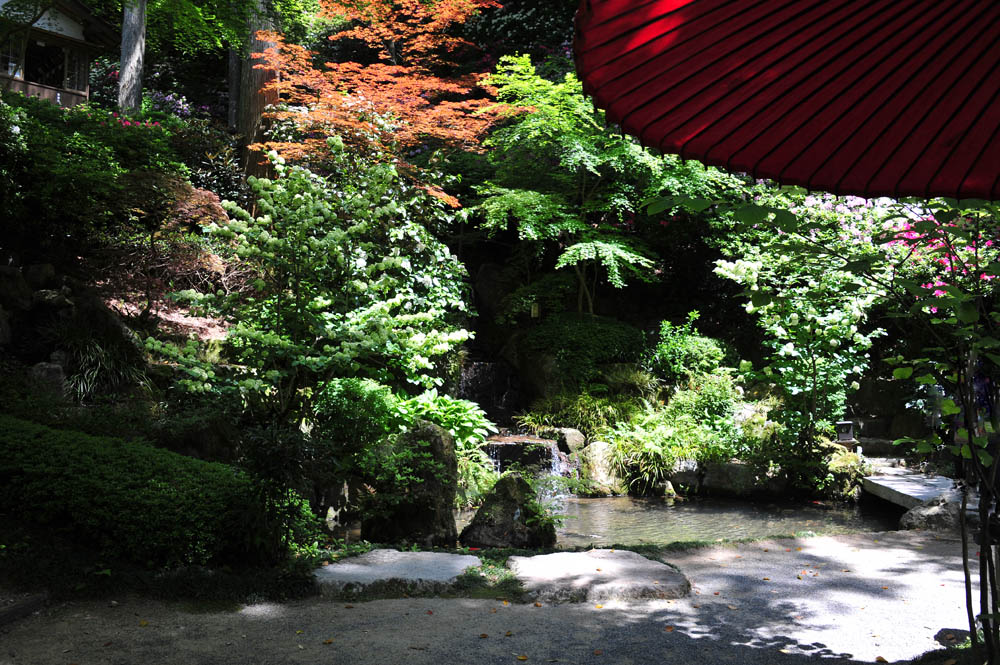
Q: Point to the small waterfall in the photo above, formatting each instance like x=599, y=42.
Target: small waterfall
x=492, y=385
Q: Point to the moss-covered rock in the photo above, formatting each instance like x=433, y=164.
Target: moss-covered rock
x=421, y=510
x=845, y=469
x=510, y=517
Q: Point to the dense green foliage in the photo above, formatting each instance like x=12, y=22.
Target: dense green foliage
x=469, y=427
x=71, y=174
x=580, y=344
x=591, y=414
x=132, y=503
x=567, y=182
x=681, y=353
x=348, y=281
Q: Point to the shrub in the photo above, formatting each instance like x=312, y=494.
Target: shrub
x=469, y=426
x=64, y=178
x=354, y=413
x=130, y=502
x=103, y=355
x=581, y=343
x=698, y=423
x=350, y=417
x=681, y=353
x=591, y=414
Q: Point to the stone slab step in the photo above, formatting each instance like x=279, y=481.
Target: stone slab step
x=597, y=575
x=384, y=570
x=908, y=488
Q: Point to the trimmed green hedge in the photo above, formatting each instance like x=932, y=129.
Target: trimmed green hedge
x=128, y=501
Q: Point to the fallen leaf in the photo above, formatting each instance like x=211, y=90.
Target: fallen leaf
x=349, y=607
x=845, y=570
x=715, y=593
x=419, y=648
x=493, y=610
x=880, y=659
x=598, y=570
x=300, y=646
x=505, y=603
x=598, y=652
x=538, y=604
x=798, y=549
x=798, y=576
x=950, y=661
x=430, y=611
x=766, y=579
x=483, y=636
x=326, y=563
x=656, y=581
x=327, y=641
x=732, y=607
x=508, y=634
x=600, y=607
x=522, y=658
x=669, y=629
x=788, y=549
x=143, y=623
x=884, y=588
x=949, y=636
x=766, y=550
x=696, y=606
x=299, y=632
x=106, y=644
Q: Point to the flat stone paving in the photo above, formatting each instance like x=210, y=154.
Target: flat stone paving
x=421, y=570
x=838, y=600
x=597, y=575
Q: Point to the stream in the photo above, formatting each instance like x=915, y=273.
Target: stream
x=637, y=521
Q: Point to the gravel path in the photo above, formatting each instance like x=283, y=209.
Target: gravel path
x=843, y=599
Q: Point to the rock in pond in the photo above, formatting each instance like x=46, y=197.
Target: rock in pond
x=942, y=513
x=427, y=515
x=509, y=517
x=597, y=468
x=571, y=440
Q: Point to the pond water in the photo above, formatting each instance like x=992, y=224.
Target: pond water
x=636, y=521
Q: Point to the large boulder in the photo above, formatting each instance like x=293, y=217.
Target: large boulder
x=14, y=290
x=571, y=440
x=48, y=379
x=598, y=471
x=729, y=478
x=40, y=275
x=422, y=511
x=509, y=517
x=942, y=513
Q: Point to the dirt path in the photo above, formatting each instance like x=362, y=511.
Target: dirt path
x=845, y=599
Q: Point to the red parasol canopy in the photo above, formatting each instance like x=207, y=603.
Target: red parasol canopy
x=868, y=97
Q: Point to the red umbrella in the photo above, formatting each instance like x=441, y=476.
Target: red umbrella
x=874, y=98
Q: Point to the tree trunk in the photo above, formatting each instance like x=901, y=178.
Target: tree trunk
x=133, y=51
x=252, y=97
x=233, y=80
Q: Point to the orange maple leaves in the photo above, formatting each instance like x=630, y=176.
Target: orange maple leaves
x=408, y=32
x=402, y=103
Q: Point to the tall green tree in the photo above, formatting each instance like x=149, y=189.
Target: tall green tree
x=565, y=179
